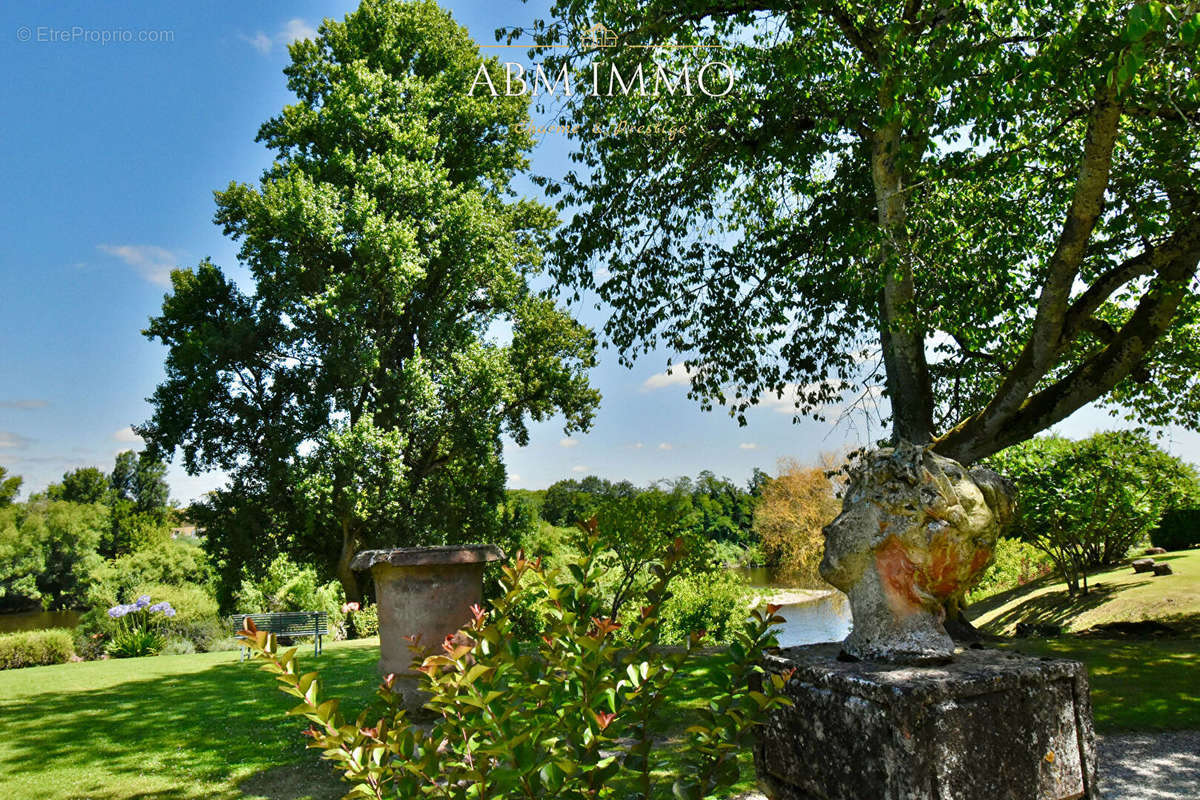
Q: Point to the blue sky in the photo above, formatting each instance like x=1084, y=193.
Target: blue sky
x=112, y=151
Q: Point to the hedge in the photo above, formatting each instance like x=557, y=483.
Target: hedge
x=34, y=648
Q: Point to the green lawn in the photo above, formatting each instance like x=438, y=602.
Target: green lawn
x=1136, y=684
x=205, y=726
x=196, y=726
x=1116, y=595
x=167, y=727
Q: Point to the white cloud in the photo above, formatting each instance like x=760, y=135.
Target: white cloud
x=637, y=445
x=665, y=446
x=24, y=405
x=127, y=435
x=260, y=42
x=514, y=478
x=675, y=376
x=13, y=441
x=579, y=468
x=568, y=442
x=150, y=261
x=748, y=446
x=292, y=30
x=785, y=403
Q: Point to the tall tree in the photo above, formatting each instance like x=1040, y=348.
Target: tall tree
x=84, y=485
x=997, y=202
x=9, y=487
x=389, y=315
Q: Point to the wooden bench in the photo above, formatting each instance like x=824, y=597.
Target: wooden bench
x=286, y=623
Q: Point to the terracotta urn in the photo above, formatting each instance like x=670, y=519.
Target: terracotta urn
x=424, y=592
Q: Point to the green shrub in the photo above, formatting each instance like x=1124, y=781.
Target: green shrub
x=34, y=648
x=287, y=586
x=1178, y=529
x=366, y=621
x=571, y=716
x=170, y=563
x=1016, y=564
x=196, y=619
x=178, y=647
x=196, y=616
x=715, y=602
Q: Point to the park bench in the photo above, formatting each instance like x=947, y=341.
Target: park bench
x=286, y=623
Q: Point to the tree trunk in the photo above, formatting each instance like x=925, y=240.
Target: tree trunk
x=350, y=545
x=901, y=334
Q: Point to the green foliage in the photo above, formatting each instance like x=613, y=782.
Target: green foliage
x=569, y=719
x=9, y=487
x=135, y=643
x=287, y=586
x=714, y=602
x=1008, y=185
x=178, y=647
x=383, y=246
x=1016, y=563
x=366, y=621
x=1178, y=529
x=48, y=553
x=1086, y=503
x=714, y=508
x=170, y=562
x=35, y=648
x=196, y=617
x=83, y=485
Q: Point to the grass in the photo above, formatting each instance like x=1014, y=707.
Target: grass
x=167, y=727
x=203, y=726
x=1137, y=683
x=1115, y=595
x=1141, y=685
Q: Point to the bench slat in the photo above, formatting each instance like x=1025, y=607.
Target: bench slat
x=293, y=623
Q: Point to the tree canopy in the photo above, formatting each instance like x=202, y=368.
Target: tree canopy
x=10, y=487
x=358, y=389
x=1086, y=503
x=987, y=210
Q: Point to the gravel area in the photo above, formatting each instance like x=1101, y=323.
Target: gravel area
x=1150, y=766
x=1138, y=766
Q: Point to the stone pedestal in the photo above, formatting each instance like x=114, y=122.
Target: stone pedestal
x=990, y=724
x=425, y=592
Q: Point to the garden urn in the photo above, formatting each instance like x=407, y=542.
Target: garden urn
x=423, y=593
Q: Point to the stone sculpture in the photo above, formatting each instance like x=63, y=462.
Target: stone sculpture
x=916, y=531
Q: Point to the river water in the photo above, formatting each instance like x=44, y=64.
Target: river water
x=812, y=616
x=37, y=620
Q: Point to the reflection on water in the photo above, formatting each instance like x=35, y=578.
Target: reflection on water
x=824, y=619
x=37, y=620
x=821, y=619
x=764, y=577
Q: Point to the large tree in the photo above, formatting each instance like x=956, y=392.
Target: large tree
x=997, y=203
x=357, y=388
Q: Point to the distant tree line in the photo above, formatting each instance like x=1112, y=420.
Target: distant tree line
x=54, y=545
x=711, y=506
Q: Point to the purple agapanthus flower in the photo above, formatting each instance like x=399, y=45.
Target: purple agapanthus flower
x=117, y=611
x=164, y=607
x=143, y=601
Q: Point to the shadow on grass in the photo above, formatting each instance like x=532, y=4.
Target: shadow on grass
x=194, y=731
x=1136, y=684
x=1058, y=607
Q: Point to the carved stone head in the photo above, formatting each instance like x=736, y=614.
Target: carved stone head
x=916, y=530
